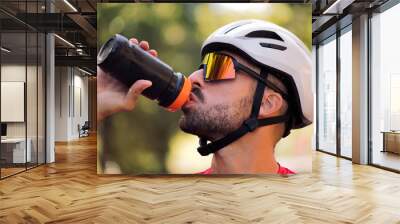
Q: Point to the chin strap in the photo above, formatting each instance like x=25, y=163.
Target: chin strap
x=248, y=125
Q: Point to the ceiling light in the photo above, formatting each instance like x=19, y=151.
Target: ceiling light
x=70, y=5
x=337, y=7
x=84, y=71
x=65, y=41
x=5, y=50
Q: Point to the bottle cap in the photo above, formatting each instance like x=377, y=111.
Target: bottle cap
x=182, y=97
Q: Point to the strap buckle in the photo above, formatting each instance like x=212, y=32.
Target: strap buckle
x=203, y=150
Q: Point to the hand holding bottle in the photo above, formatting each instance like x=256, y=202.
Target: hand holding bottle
x=113, y=96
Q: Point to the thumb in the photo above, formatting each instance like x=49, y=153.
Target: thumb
x=133, y=93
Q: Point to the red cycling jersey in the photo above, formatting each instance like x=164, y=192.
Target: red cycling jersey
x=281, y=170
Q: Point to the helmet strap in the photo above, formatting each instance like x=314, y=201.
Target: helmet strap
x=248, y=125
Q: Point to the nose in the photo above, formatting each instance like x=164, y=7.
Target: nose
x=196, y=78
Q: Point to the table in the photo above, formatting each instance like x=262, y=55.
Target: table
x=17, y=150
x=391, y=141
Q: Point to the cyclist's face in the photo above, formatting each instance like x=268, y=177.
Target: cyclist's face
x=218, y=107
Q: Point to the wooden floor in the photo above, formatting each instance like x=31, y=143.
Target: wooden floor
x=388, y=159
x=10, y=171
x=70, y=191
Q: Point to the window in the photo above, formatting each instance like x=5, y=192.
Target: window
x=327, y=95
x=345, y=92
x=22, y=77
x=385, y=89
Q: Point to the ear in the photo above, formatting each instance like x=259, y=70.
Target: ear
x=271, y=104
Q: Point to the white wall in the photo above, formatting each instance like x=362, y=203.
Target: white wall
x=61, y=103
x=12, y=73
x=80, y=110
x=71, y=94
x=33, y=126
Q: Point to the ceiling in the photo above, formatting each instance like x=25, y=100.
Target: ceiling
x=74, y=22
x=330, y=15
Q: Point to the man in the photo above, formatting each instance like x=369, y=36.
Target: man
x=253, y=86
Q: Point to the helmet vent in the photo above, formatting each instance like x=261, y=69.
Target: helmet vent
x=234, y=27
x=274, y=46
x=264, y=34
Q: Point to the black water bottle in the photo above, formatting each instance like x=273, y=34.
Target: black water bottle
x=128, y=63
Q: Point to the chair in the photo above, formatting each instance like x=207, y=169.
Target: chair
x=84, y=130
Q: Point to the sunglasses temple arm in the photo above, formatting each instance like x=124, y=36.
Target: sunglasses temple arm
x=256, y=76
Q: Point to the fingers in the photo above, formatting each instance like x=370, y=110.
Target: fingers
x=144, y=45
x=153, y=52
x=133, y=41
x=133, y=93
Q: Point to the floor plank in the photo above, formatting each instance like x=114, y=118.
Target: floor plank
x=70, y=191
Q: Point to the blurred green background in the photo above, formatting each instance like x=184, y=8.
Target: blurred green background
x=148, y=139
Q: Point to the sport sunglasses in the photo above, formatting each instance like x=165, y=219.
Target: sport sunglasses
x=218, y=66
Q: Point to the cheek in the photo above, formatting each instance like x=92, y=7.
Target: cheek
x=229, y=91
x=223, y=96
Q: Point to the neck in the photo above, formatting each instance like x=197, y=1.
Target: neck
x=252, y=153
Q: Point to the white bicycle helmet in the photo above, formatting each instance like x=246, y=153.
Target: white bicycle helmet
x=278, y=52
x=274, y=47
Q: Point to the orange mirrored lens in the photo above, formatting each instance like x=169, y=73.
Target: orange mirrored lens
x=218, y=67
